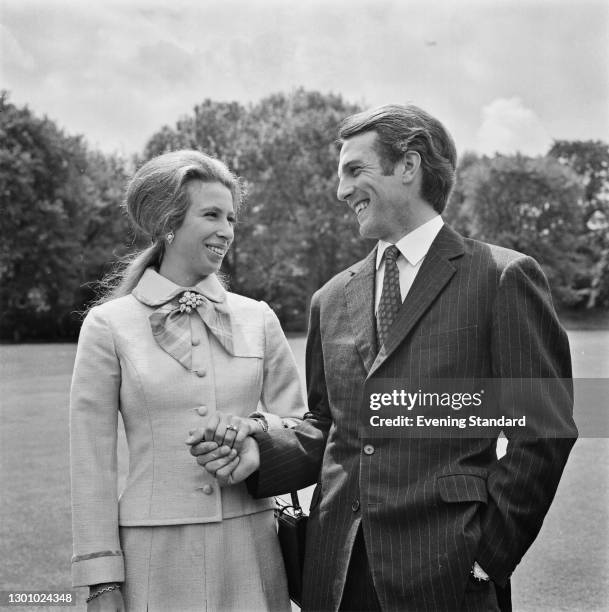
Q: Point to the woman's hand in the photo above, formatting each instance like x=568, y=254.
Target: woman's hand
x=111, y=601
x=226, y=429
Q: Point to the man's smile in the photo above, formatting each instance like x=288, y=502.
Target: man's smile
x=361, y=206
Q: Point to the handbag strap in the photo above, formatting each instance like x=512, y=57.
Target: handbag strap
x=296, y=503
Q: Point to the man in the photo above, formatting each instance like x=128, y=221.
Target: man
x=399, y=523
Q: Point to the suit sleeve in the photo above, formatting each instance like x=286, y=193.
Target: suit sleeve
x=527, y=342
x=282, y=398
x=290, y=459
x=94, y=401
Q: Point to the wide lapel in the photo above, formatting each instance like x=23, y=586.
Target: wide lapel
x=359, y=295
x=436, y=270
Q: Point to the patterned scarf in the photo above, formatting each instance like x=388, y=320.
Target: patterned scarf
x=170, y=322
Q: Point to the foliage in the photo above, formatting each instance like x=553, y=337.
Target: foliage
x=300, y=235
x=590, y=160
x=52, y=190
x=62, y=224
x=542, y=207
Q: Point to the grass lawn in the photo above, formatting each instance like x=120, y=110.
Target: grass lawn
x=566, y=569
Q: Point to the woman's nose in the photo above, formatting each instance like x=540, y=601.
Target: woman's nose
x=226, y=231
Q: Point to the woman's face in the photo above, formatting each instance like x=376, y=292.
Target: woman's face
x=201, y=242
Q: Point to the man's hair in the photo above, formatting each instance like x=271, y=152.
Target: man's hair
x=403, y=128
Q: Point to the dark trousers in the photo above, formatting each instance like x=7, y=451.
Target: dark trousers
x=359, y=594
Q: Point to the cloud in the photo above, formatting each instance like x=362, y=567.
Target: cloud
x=117, y=71
x=166, y=62
x=13, y=52
x=508, y=126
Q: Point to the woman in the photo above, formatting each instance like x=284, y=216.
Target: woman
x=166, y=347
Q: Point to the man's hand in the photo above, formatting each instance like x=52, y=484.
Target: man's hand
x=223, y=462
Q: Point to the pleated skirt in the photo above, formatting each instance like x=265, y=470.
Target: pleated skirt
x=232, y=566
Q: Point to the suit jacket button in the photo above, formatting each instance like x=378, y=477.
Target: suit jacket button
x=369, y=449
x=195, y=341
x=208, y=489
x=201, y=372
x=355, y=505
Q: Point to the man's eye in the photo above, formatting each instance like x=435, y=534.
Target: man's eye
x=355, y=171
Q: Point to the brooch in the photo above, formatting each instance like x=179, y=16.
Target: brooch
x=190, y=300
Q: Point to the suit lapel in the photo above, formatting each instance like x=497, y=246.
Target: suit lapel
x=436, y=270
x=359, y=295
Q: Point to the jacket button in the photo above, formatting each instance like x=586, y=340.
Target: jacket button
x=369, y=449
x=208, y=489
x=201, y=372
x=195, y=341
x=355, y=505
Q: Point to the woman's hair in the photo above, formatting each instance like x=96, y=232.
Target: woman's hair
x=401, y=128
x=156, y=202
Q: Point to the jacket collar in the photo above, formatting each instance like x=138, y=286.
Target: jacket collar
x=153, y=289
x=415, y=245
x=360, y=306
x=436, y=271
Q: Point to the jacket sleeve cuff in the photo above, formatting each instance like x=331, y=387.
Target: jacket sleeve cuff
x=98, y=568
x=275, y=421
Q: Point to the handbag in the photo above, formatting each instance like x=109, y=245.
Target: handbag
x=292, y=531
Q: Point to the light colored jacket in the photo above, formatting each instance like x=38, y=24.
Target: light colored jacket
x=120, y=367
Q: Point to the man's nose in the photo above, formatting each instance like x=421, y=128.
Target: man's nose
x=344, y=190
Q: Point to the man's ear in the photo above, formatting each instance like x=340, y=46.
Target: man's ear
x=411, y=162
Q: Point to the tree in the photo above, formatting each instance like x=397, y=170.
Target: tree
x=458, y=212
x=301, y=235
x=48, y=189
x=107, y=233
x=533, y=206
x=590, y=160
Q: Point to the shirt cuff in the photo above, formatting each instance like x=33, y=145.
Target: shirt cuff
x=274, y=421
x=479, y=573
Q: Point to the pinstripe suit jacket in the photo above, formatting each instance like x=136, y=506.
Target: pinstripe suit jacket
x=428, y=508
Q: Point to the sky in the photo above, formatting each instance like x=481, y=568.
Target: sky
x=502, y=75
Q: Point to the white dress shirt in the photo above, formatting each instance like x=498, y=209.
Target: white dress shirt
x=412, y=247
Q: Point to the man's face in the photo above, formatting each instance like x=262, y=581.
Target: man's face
x=379, y=201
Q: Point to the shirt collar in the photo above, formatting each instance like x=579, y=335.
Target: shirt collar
x=155, y=290
x=414, y=245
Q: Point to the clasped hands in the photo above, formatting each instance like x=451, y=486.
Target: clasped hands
x=224, y=446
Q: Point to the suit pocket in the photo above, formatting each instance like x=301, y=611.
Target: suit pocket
x=248, y=340
x=454, y=488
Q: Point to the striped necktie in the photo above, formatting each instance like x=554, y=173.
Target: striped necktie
x=391, y=299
